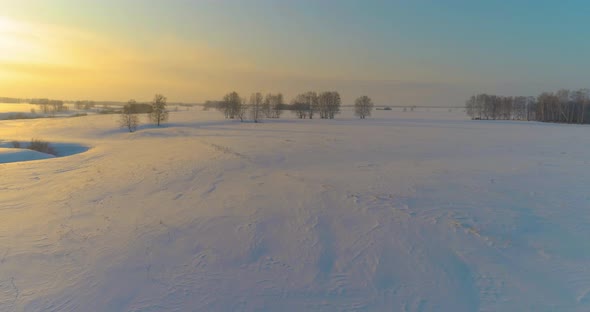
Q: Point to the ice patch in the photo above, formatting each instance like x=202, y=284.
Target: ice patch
x=9, y=154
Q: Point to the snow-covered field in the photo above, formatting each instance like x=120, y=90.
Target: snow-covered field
x=17, y=108
x=25, y=110
x=7, y=110
x=406, y=211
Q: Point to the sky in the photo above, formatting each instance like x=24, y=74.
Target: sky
x=420, y=52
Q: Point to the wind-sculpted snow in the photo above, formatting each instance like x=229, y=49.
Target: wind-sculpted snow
x=416, y=211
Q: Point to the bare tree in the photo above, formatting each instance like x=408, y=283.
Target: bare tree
x=519, y=106
x=233, y=106
x=329, y=104
x=505, y=111
x=305, y=104
x=581, y=99
x=242, y=109
x=531, y=108
x=546, y=110
x=334, y=105
x=256, y=101
x=299, y=106
x=273, y=105
x=129, y=118
x=363, y=107
x=563, y=106
x=470, y=107
x=159, y=113
x=277, y=107
x=223, y=107
x=267, y=105
x=312, y=103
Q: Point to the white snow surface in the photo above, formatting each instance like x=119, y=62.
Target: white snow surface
x=405, y=211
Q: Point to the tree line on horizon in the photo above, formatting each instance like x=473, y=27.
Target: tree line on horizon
x=563, y=106
x=257, y=107
x=305, y=105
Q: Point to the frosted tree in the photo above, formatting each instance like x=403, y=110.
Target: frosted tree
x=363, y=107
x=329, y=104
x=277, y=105
x=563, y=106
x=581, y=99
x=299, y=106
x=159, y=113
x=233, y=106
x=312, y=103
x=129, y=118
x=256, y=101
x=273, y=105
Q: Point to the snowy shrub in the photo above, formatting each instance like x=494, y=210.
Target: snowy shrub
x=41, y=146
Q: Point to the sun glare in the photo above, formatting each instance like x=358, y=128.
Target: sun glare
x=18, y=42
x=6, y=25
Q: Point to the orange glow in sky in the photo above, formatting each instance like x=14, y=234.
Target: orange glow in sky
x=398, y=52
